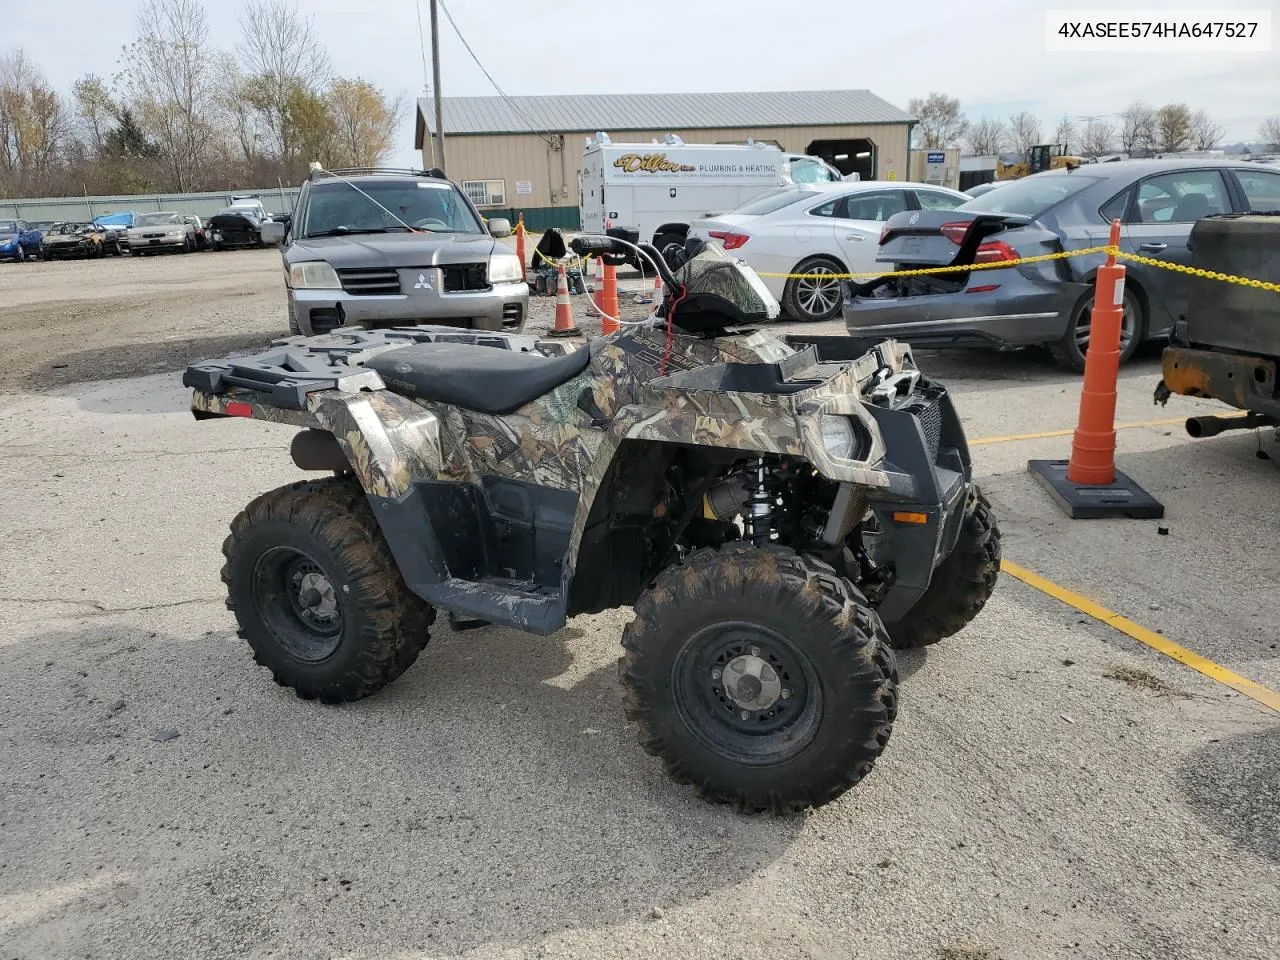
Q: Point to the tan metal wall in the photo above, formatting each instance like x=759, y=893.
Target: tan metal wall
x=513, y=157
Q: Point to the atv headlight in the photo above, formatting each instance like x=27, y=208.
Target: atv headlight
x=504, y=268
x=313, y=275
x=837, y=436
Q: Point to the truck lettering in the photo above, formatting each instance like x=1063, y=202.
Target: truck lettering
x=650, y=163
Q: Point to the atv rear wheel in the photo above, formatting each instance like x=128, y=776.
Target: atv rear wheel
x=961, y=585
x=761, y=677
x=317, y=594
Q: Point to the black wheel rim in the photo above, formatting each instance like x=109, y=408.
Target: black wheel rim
x=747, y=692
x=299, y=602
x=1084, y=326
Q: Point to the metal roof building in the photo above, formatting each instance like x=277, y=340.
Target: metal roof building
x=522, y=154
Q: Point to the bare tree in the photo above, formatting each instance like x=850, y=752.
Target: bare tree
x=1024, y=132
x=939, y=123
x=1173, y=127
x=283, y=56
x=1205, y=133
x=1099, y=137
x=986, y=137
x=171, y=85
x=365, y=122
x=1066, y=133
x=17, y=74
x=1269, y=132
x=1138, y=128
x=95, y=110
x=35, y=128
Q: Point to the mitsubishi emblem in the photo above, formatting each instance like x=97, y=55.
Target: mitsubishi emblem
x=423, y=283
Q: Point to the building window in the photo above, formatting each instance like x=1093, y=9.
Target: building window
x=486, y=193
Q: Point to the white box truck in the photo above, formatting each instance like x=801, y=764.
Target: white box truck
x=660, y=188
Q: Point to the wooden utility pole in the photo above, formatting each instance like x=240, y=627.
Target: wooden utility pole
x=435, y=84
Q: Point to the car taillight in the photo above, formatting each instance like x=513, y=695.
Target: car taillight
x=955, y=232
x=993, y=251
x=729, y=239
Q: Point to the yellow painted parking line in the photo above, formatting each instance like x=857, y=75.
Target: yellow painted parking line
x=1010, y=438
x=1256, y=691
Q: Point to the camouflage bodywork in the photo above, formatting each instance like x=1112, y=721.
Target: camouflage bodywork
x=636, y=392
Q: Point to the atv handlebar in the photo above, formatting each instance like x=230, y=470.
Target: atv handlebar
x=616, y=251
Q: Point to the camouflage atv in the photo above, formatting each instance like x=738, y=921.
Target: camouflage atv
x=780, y=516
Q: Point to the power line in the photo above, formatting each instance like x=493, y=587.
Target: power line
x=502, y=93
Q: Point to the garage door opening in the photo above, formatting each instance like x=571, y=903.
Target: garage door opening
x=848, y=156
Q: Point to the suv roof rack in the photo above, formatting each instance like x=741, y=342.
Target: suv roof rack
x=434, y=172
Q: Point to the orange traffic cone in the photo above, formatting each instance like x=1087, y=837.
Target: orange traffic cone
x=520, y=251
x=597, y=286
x=609, y=306
x=565, y=326
x=655, y=297
x=1089, y=485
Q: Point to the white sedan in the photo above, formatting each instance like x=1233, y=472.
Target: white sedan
x=818, y=229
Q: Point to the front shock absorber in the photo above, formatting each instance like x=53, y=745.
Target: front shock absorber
x=758, y=513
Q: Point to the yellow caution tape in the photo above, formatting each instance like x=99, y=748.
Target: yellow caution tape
x=1043, y=258
x=963, y=268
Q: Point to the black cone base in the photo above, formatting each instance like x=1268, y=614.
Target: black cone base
x=1123, y=498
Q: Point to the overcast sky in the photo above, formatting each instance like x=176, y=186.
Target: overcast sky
x=990, y=54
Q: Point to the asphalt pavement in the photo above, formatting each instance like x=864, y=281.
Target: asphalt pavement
x=1052, y=788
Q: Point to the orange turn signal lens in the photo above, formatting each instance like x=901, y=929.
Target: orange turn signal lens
x=902, y=517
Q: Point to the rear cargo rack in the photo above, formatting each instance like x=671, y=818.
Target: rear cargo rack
x=295, y=367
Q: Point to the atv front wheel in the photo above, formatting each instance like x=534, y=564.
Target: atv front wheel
x=761, y=677
x=317, y=594
x=961, y=585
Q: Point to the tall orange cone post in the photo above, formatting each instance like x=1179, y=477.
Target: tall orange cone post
x=609, y=306
x=564, y=309
x=597, y=287
x=520, y=251
x=1088, y=486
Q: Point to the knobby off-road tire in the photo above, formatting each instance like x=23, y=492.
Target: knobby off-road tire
x=828, y=664
x=961, y=585
x=317, y=594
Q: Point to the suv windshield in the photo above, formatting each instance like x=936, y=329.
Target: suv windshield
x=335, y=208
x=1030, y=196
x=775, y=200
x=156, y=219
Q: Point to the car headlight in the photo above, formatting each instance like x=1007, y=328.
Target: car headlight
x=504, y=268
x=313, y=275
x=838, y=437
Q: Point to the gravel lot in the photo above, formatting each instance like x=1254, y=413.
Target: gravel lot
x=1052, y=789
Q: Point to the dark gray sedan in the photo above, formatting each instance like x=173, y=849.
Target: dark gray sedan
x=1050, y=303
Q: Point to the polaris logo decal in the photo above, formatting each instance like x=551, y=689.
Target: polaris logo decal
x=423, y=283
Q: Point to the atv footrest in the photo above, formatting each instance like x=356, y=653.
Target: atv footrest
x=517, y=603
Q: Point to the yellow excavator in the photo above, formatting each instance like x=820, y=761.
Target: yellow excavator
x=1043, y=156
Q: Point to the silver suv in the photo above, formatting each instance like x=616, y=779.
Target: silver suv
x=378, y=248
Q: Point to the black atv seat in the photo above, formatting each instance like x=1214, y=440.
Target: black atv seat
x=486, y=379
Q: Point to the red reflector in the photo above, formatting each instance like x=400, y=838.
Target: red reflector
x=955, y=231
x=985, y=288
x=237, y=409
